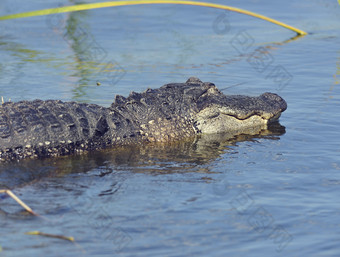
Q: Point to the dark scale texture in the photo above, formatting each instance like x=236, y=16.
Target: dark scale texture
x=48, y=128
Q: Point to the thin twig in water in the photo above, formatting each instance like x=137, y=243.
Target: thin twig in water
x=25, y=206
x=68, y=238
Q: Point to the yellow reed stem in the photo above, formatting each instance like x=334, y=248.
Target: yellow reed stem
x=81, y=7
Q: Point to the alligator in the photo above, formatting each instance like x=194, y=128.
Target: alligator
x=175, y=111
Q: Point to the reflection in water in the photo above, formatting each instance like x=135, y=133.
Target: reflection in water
x=336, y=83
x=89, y=61
x=178, y=157
x=12, y=66
x=92, y=63
x=78, y=37
x=296, y=37
x=337, y=79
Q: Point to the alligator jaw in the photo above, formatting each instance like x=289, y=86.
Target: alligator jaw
x=236, y=113
x=226, y=123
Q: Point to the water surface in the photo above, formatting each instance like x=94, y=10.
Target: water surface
x=271, y=193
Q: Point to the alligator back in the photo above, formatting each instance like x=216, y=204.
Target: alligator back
x=41, y=128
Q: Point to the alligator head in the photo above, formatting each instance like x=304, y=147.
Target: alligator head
x=178, y=110
x=217, y=112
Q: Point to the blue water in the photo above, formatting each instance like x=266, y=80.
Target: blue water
x=270, y=195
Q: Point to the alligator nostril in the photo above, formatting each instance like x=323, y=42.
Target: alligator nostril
x=275, y=100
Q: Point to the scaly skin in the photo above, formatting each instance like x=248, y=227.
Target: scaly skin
x=172, y=112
